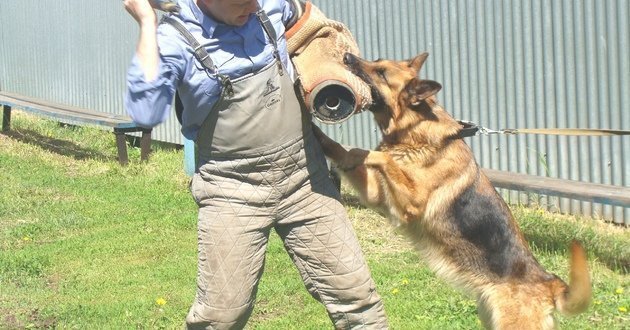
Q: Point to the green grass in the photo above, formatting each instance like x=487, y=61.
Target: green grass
x=86, y=243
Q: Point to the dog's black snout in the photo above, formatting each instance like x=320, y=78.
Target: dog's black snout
x=348, y=58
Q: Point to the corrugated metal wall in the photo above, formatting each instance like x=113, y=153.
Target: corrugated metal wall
x=515, y=64
x=503, y=64
x=73, y=52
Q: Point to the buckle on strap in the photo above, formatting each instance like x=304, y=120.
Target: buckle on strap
x=468, y=129
x=228, y=89
x=201, y=55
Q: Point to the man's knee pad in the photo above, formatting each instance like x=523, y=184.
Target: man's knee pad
x=349, y=292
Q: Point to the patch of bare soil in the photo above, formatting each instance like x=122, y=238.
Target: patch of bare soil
x=25, y=319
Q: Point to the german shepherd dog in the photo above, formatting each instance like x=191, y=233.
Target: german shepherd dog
x=424, y=178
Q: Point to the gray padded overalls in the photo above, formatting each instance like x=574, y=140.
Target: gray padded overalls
x=261, y=169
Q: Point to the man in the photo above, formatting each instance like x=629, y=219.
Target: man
x=259, y=167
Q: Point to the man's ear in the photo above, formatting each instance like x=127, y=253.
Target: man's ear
x=419, y=89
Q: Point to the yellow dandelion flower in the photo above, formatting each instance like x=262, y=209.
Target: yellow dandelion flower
x=623, y=309
x=597, y=302
x=395, y=291
x=405, y=281
x=26, y=238
x=619, y=291
x=160, y=301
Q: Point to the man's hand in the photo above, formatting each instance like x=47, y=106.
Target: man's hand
x=141, y=11
x=147, y=49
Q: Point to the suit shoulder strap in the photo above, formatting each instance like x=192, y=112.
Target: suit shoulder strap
x=200, y=52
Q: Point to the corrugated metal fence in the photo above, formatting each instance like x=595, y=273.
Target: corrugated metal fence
x=503, y=64
x=515, y=64
x=72, y=52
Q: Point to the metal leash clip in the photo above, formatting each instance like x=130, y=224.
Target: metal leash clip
x=488, y=131
x=471, y=129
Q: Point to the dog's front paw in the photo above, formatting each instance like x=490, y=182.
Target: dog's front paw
x=354, y=158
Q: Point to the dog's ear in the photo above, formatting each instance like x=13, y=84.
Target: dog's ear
x=417, y=62
x=419, y=89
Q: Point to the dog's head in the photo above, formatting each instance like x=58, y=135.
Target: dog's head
x=395, y=84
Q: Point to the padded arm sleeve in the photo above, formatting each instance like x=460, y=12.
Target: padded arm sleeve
x=317, y=46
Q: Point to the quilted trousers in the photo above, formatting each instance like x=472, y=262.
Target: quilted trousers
x=288, y=189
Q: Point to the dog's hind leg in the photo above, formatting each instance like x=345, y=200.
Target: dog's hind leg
x=523, y=306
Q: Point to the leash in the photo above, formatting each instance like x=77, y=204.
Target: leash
x=471, y=129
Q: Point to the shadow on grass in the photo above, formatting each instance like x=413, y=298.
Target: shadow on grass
x=601, y=240
x=60, y=147
x=609, y=253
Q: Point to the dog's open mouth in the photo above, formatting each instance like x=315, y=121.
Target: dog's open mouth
x=352, y=62
x=377, y=100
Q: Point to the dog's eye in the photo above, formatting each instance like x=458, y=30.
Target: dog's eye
x=381, y=73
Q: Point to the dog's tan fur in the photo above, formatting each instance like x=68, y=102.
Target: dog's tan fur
x=425, y=179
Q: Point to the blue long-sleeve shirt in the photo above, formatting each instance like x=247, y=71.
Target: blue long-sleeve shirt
x=236, y=52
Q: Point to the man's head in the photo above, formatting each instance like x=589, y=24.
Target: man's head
x=231, y=12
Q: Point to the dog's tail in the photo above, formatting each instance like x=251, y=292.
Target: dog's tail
x=576, y=297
